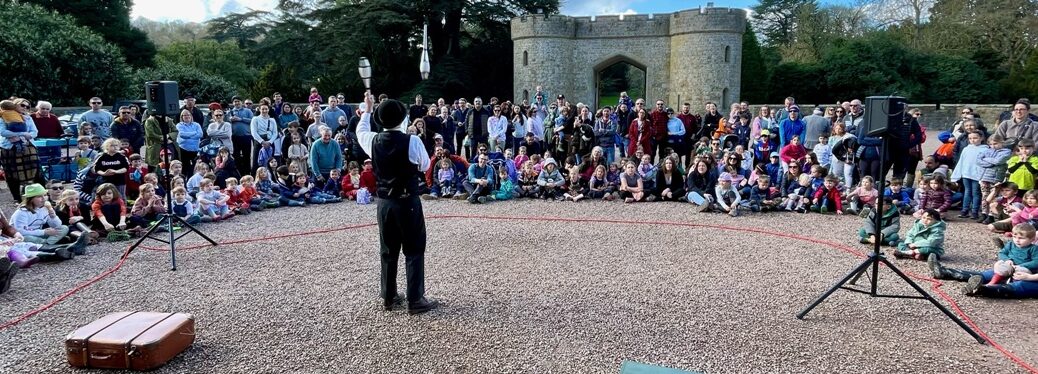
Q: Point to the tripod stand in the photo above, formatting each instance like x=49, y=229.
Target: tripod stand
x=877, y=257
x=167, y=219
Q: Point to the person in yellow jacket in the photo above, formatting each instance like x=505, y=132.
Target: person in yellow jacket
x=1023, y=166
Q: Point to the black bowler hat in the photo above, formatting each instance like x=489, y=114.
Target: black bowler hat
x=389, y=114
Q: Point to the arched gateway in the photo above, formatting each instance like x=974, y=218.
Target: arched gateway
x=687, y=56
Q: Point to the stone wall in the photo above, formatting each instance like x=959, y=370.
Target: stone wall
x=693, y=55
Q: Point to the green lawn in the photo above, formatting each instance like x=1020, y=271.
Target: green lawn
x=608, y=100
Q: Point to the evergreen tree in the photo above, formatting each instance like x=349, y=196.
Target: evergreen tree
x=111, y=20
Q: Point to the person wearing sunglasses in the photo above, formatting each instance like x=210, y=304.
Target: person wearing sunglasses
x=220, y=132
x=100, y=118
x=129, y=128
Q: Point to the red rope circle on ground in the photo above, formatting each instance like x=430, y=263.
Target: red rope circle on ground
x=935, y=284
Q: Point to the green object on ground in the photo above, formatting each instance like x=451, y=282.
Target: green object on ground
x=631, y=367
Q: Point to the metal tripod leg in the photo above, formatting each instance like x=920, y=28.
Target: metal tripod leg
x=858, y=270
x=927, y=296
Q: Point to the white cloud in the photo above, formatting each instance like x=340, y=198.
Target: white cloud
x=597, y=7
x=193, y=10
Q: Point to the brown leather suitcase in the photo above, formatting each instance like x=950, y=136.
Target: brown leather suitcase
x=130, y=340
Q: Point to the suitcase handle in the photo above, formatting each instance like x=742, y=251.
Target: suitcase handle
x=100, y=357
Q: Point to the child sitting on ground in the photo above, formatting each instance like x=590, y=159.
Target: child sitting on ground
x=333, y=186
x=251, y=194
x=146, y=208
x=1025, y=213
x=763, y=197
x=827, y=197
x=799, y=194
x=212, y=204
x=521, y=159
x=598, y=186
x=109, y=210
x=184, y=208
x=237, y=200
x=444, y=186
x=506, y=188
x=367, y=178
x=528, y=181
x=728, y=198
x=550, y=181
x=898, y=196
x=1017, y=261
x=1001, y=197
x=936, y=197
x=351, y=182
x=265, y=186
x=925, y=237
x=194, y=184
x=890, y=224
x=575, y=188
x=863, y=197
x=135, y=176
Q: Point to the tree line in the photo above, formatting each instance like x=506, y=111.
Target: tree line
x=926, y=50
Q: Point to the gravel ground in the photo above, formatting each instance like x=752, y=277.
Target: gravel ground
x=526, y=295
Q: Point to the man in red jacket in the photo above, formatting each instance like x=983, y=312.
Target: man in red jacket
x=659, y=120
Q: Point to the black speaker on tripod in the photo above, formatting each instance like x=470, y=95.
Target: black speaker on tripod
x=163, y=101
x=882, y=113
x=163, y=98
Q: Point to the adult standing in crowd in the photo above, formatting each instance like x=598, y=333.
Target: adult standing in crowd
x=817, y=125
x=21, y=164
x=905, y=136
x=605, y=133
x=346, y=108
x=129, y=128
x=278, y=105
x=398, y=159
x=623, y=117
x=433, y=123
x=791, y=126
x=220, y=131
x=47, y=124
x=264, y=132
x=476, y=120
x=196, y=113
x=659, y=118
x=855, y=116
x=967, y=113
x=330, y=115
x=189, y=136
x=763, y=121
x=711, y=119
x=783, y=113
x=418, y=110
x=101, y=119
x=241, y=134
x=287, y=116
x=153, y=140
x=1019, y=126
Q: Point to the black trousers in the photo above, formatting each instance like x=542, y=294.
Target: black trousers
x=401, y=227
x=243, y=154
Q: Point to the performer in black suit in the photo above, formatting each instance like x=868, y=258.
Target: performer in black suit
x=398, y=160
